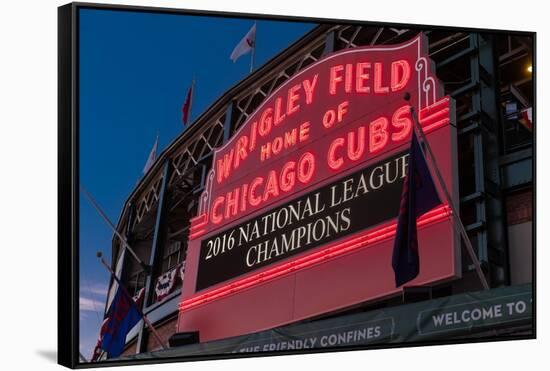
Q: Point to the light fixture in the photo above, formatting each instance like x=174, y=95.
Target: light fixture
x=530, y=68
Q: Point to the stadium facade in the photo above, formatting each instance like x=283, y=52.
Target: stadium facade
x=487, y=75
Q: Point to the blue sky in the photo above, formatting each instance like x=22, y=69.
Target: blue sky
x=135, y=69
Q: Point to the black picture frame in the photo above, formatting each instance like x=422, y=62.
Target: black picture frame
x=68, y=180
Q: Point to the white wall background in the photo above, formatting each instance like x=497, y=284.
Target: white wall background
x=28, y=153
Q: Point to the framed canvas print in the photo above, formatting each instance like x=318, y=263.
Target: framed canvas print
x=236, y=185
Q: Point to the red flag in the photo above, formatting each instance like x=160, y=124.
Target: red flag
x=526, y=118
x=187, y=105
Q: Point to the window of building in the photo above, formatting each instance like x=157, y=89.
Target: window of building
x=516, y=91
x=169, y=277
x=136, y=282
x=173, y=255
x=518, y=126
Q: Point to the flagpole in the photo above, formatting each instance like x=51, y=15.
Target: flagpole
x=252, y=58
x=143, y=316
x=113, y=228
x=157, y=144
x=253, y=54
x=456, y=218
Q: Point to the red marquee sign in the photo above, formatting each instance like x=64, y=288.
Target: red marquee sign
x=299, y=212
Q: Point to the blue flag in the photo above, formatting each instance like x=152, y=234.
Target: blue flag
x=122, y=316
x=418, y=196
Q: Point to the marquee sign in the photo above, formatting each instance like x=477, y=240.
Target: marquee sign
x=303, y=199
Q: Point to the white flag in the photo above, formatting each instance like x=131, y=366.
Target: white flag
x=245, y=45
x=152, y=157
